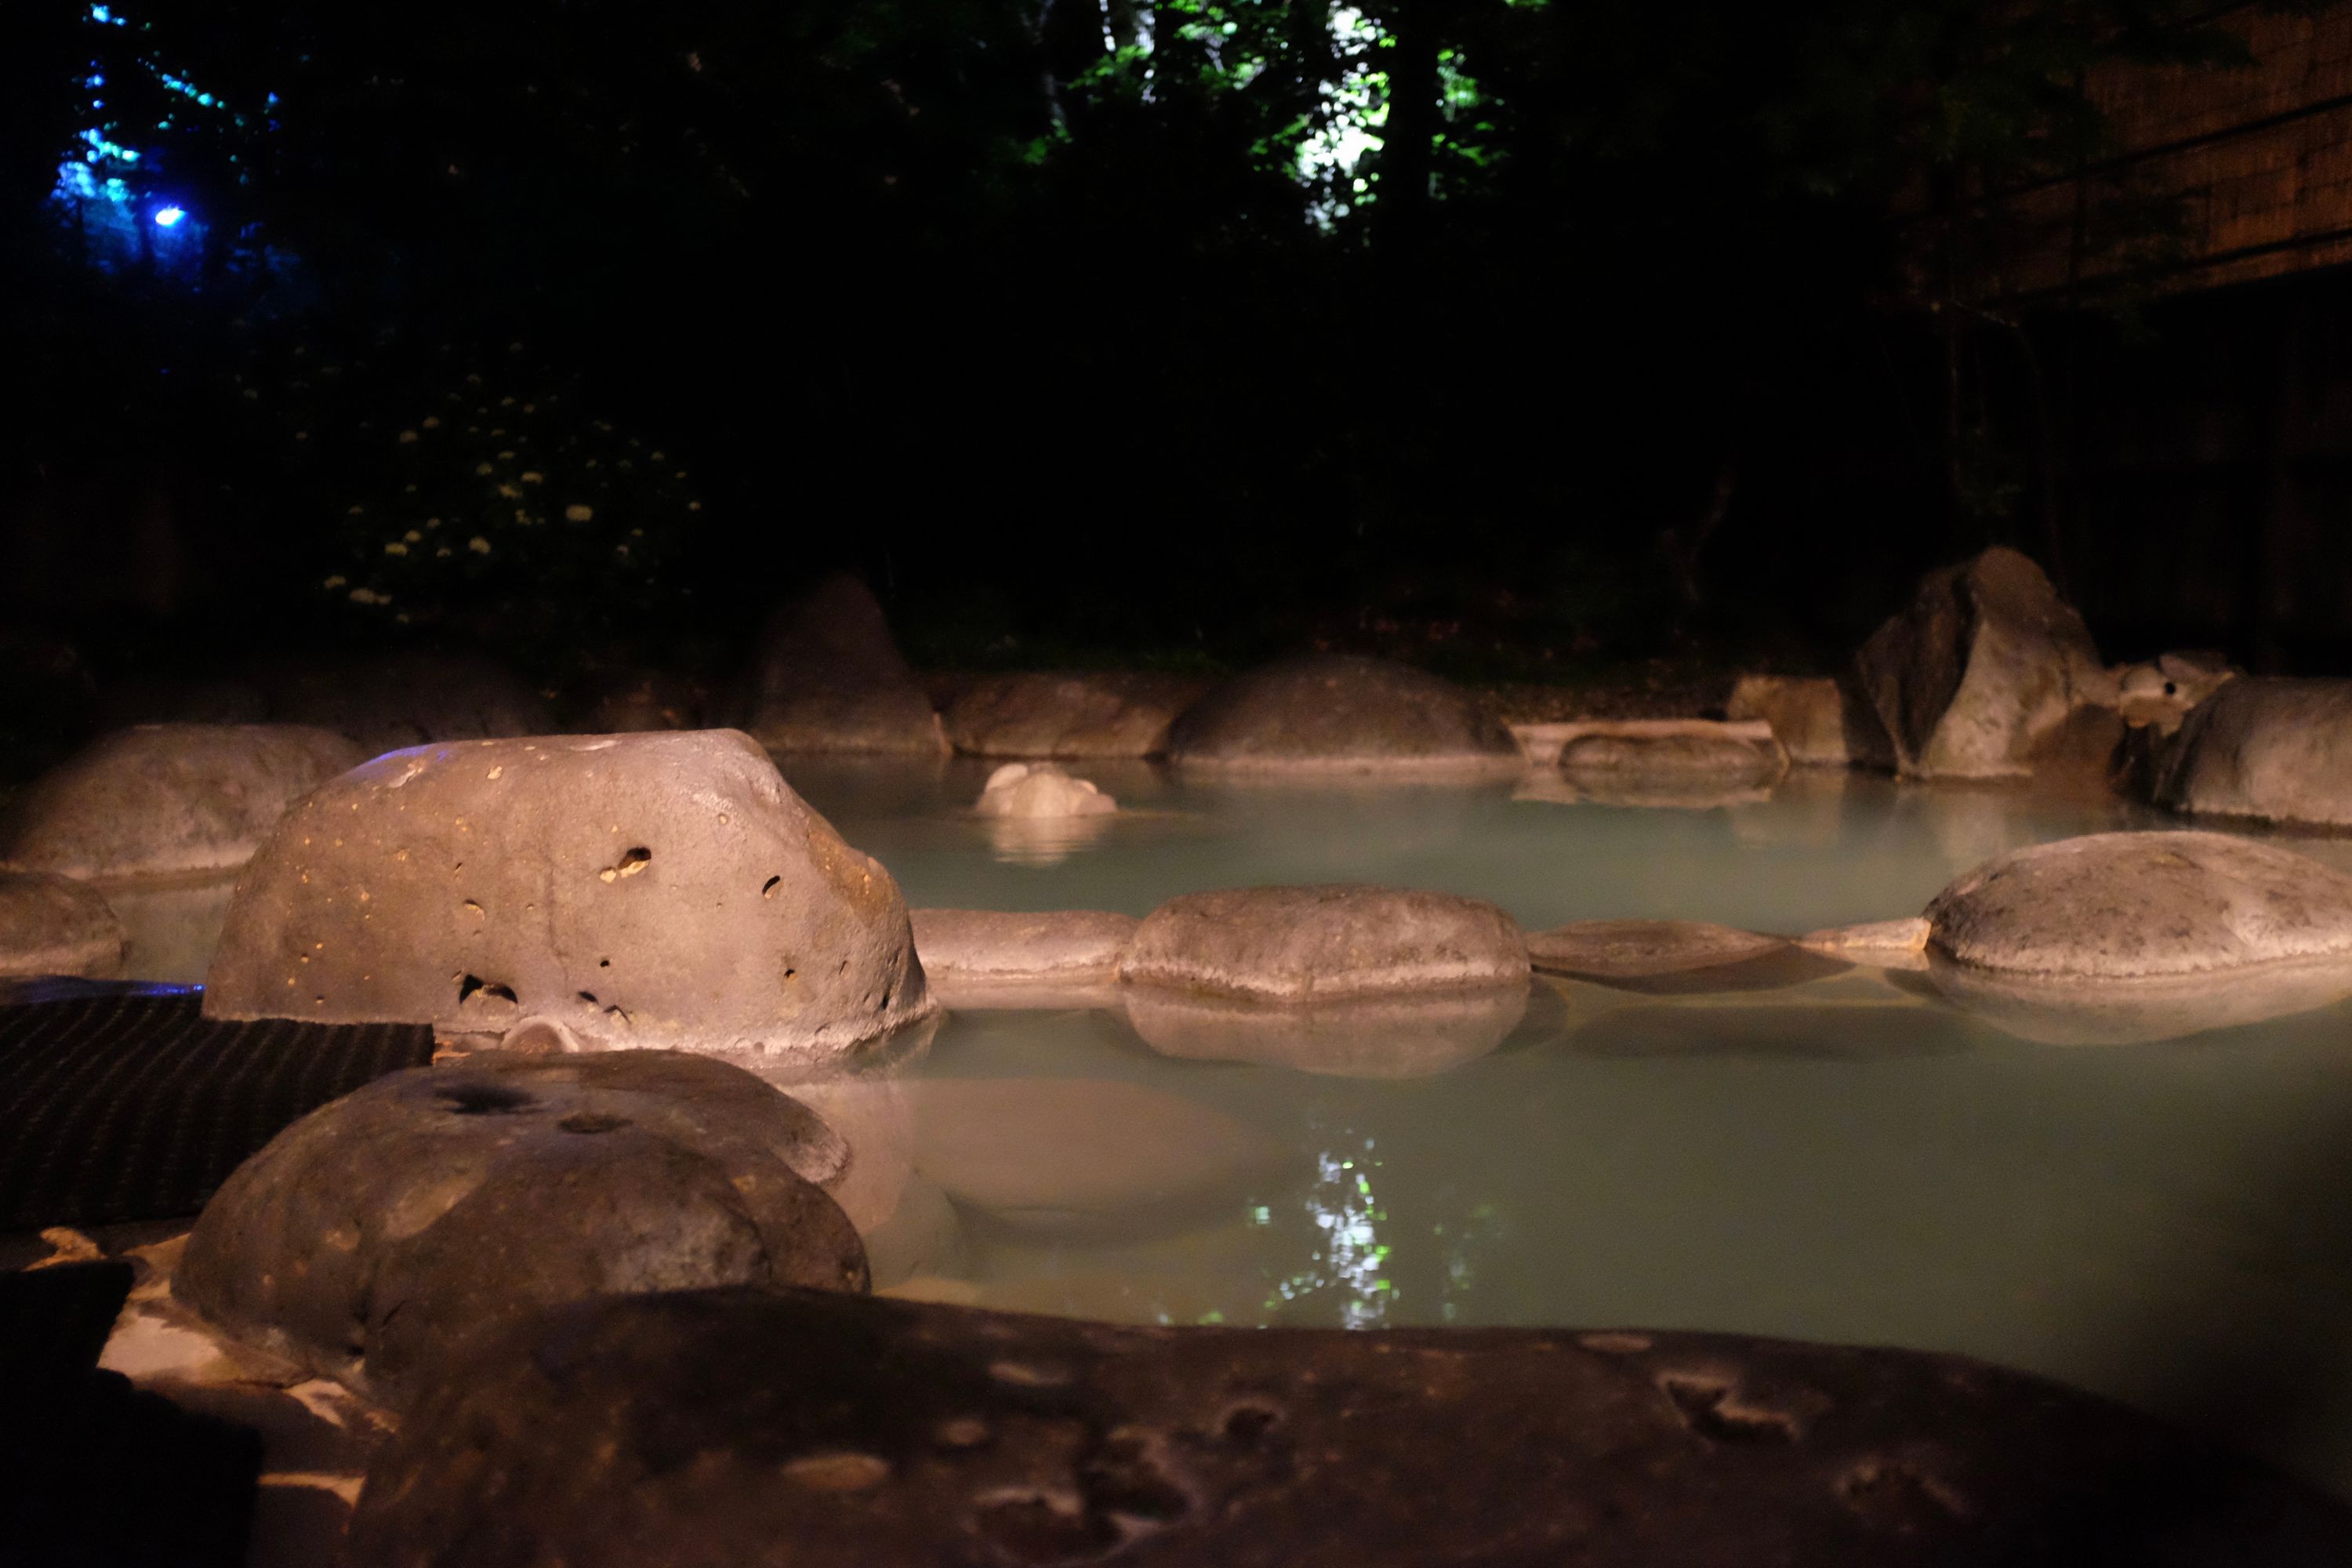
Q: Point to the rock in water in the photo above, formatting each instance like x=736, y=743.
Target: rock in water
x=830, y=678
x=168, y=800
x=54, y=925
x=1820, y=722
x=1337, y=711
x=1041, y=789
x=2116, y=906
x=649, y=889
x=379, y=1233
x=985, y=957
x=1317, y=943
x=1105, y=713
x=2264, y=748
x=723, y=1427
x=1986, y=664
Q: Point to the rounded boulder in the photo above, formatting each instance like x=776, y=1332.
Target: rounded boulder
x=829, y=677
x=168, y=800
x=1039, y=713
x=2130, y=906
x=387, y=1228
x=1336, y=711
x=663, y=889
x=1315, y=943
x=2265, y=748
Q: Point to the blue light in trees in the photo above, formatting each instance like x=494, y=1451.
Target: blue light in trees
x=165, y=217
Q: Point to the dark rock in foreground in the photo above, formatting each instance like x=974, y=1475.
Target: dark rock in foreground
x=739, y=1427
x=379, y=1232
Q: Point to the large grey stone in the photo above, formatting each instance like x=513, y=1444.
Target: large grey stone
x=828, y=676
x=54, y=925
x=167, y=800
x=2125, y=906
x=723, y=1427
x=2264, y=747
x=1822, y=721
x=1985, y=665
x=1100, y=713
x=649, y=889
x=1334, y=710
x=374, y=1236
x=1317, y=943
x=409, y=698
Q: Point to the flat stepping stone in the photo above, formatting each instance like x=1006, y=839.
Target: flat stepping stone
x=122, y=1103
x=863, y=1431
x=989, y=956
x=1673, y=956
x=378, y=1232
x=1317, y=943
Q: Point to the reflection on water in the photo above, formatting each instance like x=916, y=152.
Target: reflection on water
x=170, y=928
x=1363, y=1037
x=2128, y=1012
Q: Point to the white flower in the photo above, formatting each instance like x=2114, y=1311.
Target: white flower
x=532, y=477
x=575, y=512
x=301, y=434
x=694, y=506
x=506, y=403
x=503, y=456
x=511, y=492
x=335, y=583
x=414, y=537
x=478, y=545
x=432, y=522
x=369, y=596
x=482, y=468
x=395, y=547
x=433, y=422
x=356, y=510
x=441, y=552
x=408, y=437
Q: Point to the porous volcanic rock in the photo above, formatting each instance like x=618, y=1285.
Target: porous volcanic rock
x=409, y=698
x=1039, y=713
x=1317, y=943
x=828, y=676
x=1985, y=665
x=370, y=1236
x=873, y=1431
x=651, y=890
x=1041, y=789
x=1409, y=1035
x=54, y=925
x=977, y=954
x=167, y=800
x=2264, y=747
x=1673, y=956
x=1336, y=711
x=2130, y=906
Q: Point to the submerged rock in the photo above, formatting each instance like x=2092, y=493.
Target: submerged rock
x=1040, y=790
x=54, y=925
x=409, y=698
x=1338, y=712
x=1083, y=1157
x=1984, y=667
x=2124, y=906
x=662, y=889
x=1673, y=956
x=168, y=800
x=867, y=1431
x=828, y=676
x=1364, y=1037
x=2265, y=748
x=378, y=1233
x=1103, y=713
x=1315, y=943
x=987, y=957
x=1898, y=944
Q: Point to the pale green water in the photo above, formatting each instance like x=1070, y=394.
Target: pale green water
x=2169, y=1223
